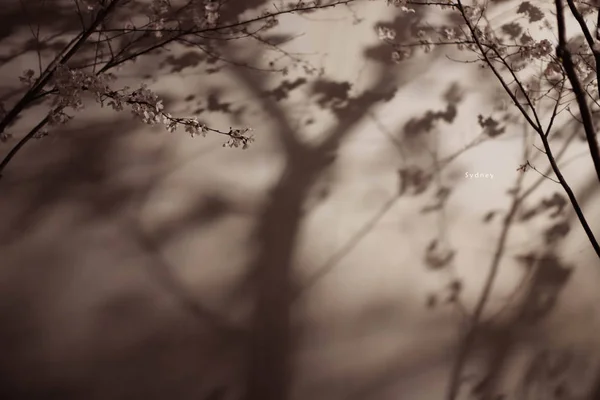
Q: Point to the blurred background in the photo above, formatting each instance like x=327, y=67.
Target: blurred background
x=342, y=256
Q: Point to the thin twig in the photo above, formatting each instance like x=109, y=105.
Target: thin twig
x=541, y=173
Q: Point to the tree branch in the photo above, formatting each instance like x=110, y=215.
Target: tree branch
x=565, y=55
x=536, y=126
x=47, y=75
x=588, y=37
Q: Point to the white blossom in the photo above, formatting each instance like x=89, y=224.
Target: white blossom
x=449, y=33
x=212, y=12
x=401, y=54
x=385, y=33
x=541, y=48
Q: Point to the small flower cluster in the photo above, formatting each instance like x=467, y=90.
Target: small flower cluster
x=535, y=49
x=70, y=84
x=159, y=10
x=401, y=54
x=238, y=137
x=424, y=41
x=211, y=9
x=385, y=33
x=553, y=71
x=146, y=105
x=473, y=13
x=474, y=36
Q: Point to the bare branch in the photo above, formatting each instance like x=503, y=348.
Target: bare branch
x=528, y=164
